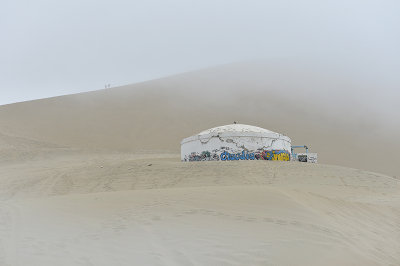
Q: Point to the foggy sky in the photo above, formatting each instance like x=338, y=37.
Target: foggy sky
x=50, y=48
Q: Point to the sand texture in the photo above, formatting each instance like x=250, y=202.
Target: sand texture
x=127, y=209
x=96, y=178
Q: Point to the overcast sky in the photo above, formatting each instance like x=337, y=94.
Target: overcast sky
x=50, y=48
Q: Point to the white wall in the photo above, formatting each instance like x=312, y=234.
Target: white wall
x=233, y=143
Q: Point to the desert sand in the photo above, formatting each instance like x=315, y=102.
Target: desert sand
x=127, y=209
x=96, y=179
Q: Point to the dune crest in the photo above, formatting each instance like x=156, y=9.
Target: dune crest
x=156, y=115
x=96, y=178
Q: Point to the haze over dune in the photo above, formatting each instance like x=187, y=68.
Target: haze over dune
x=96, y=178
x=345, y=128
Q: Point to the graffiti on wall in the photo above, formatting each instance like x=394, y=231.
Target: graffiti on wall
x=269, y=155
x=302, y=158
x=274, y=155
x=204, y=156
x=312, y=158
x=226, y=156
x=305, y=157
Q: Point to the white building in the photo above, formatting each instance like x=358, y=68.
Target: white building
x=236, y=142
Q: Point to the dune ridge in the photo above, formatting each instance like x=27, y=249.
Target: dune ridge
x=96, y=178
x=157, y=115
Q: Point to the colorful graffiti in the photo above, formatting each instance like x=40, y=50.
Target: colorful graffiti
x=274, y=155
x=269, y=155
x=226, y=156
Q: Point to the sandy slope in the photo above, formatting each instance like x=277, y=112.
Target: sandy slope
x=312, y=108
x=135, y=209
x=95, y=178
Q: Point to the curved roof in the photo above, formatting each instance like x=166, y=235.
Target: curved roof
x=235, y=130
x=239, y=128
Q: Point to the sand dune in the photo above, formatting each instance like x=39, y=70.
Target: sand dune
x=124, y=209
x=95, y=178
x=157, y=115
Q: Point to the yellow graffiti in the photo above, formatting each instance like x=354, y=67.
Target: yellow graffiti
x=281, y=157
x=274, y=155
